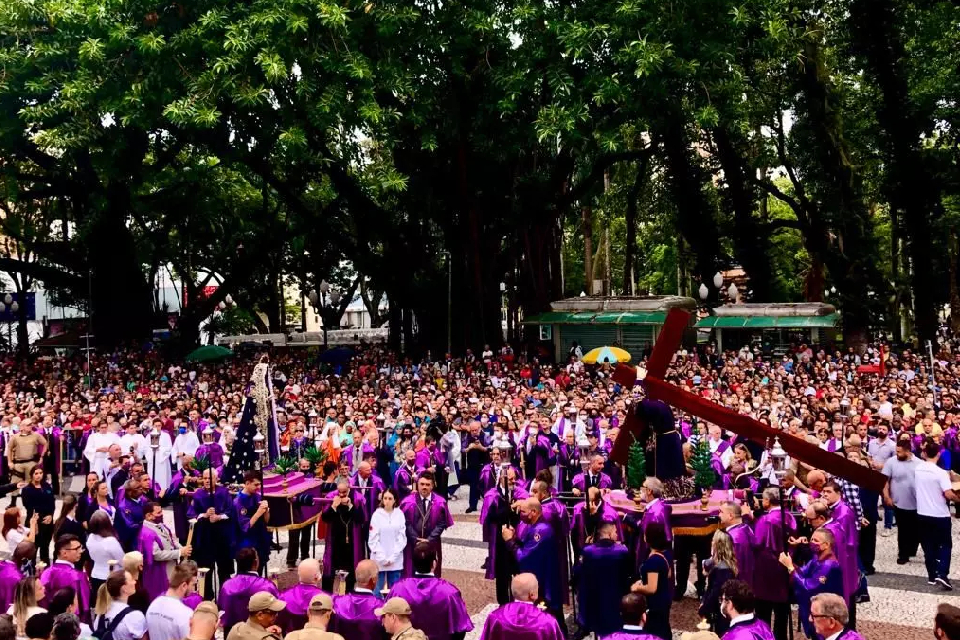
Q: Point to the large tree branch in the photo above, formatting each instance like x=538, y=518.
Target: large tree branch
x=50, y=276
x=599, y=167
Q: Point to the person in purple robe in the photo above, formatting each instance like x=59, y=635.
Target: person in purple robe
x=130, y=515
x=343, y=546
x=522, y=619
x=499, y=508
x=587, y=517
x=176, y=495
x=554, y=514
x=770, y=578
x=831, y=619
x=63, y=573
x=602, y=577
x=822, y=574
x=160, y=550
x=298, y=596
x=655, y=510
x=369, y=486
x=633, y=612
x=405, y=479
x=9, y=577
x=535, y=550
x=214, y=538
x=849, y=541
x=744, y=543
x=438, y=608
x=594, y=477
x=541, y=449
x=568, y=461
x=491, y=473
x=353, y=613
x=193, y=600
x=427, y=518
x=211, y=450
x=738, y=606
x=235, y=593
x=253, y=514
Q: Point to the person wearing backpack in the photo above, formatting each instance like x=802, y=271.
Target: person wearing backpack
x=113, y=618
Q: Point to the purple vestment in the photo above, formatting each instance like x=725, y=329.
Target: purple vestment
x=353, y=617
x=357, y=529
x=234, y=597
x=129, y=521
x=848, y=556
x=542, y=452
x=154, y=576
x=193, y=600
x=584, y=525
x=429, y=526
x=438, y=608
x=212, y=452
x=601, y=481
x=62, y=574
x=655, y=511
x=812, y=579
x=750, y=630
x=770, y=577
x=603, y=576
x=491, y=527
x=630, y=634
x=297, y=598
x=404, y=480
x=371, y=494
x=253, y=535
x=488, y=477
x=555, y=514
x=520, y=621
x=743, y=548
x=9, y=577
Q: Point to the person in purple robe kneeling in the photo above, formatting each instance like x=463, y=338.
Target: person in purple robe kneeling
x=831, y=617
x=738, y=605
x=63, y=573
x=235, y=593
x=427, y=518
x=633, y=612
x=353, y=613
x=298, y=596
x=438, y=608
x=522, y=619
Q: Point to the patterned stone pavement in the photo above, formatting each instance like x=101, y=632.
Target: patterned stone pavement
x=902, y=605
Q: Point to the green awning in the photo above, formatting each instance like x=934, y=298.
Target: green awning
x=760, y=322
x=653, y=317
x=769, y=322
x=591, y=317
x=806, y=322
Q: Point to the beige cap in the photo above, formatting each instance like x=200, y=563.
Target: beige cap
x=321, y=602
x=699, y=635
x=261, y=601
x=207, y=606
x=395, y=605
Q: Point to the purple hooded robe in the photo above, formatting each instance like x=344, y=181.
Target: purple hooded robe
x=62, y=574
x=520, y=621
x=438, y=608
x=630, y=634
x=749, y=630
x=9, y=577
x=743, y=548
x=297, y=598
x=491, y=528
x=429, y=526
x=234, y=597
x=357, y=530
x=769, y=576
x=354, y=619
x=656, y=511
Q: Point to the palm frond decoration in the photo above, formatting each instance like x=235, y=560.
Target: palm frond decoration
x=201, y=464
x=285, y=465
x=315, y=456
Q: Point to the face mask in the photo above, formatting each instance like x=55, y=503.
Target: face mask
x=183, y=430
x=815, y=548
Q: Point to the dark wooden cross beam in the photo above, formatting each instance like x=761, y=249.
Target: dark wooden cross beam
x=658, y=388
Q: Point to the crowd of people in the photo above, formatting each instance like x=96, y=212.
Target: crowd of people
x=400, y=437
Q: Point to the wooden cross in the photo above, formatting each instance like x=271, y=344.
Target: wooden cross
x=658, y=388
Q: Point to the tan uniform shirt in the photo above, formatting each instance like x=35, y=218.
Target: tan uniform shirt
x=26, y=448
x=410, y=634
x=311, y=631
x=251, y=631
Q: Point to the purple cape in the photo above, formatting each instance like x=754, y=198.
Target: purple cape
x=430, y=527
x=842, y=553
x=743, y=548
x=357, y=530
x=847, y=517
x=353, y=617
x=491, y=529
x=520, y=621
x=403, y=479
x=213, y=453
x=371, y=495
x=234, y=597
x=751, y=630
x=555, y=514
x=9, y=577
x=193, y=600
x=255, y=536
x=543, y=455
x=658, y=511
x=579, y=528
x=535, y=549
x=128, y=522
x=154, y=578
x=769, y=576
x=812, y=579
x=604, y=481
x=59, y=575
x=602, y=578
x=298, y=600
x=438, y=607
x=488, y=477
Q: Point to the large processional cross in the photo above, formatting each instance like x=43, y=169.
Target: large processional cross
x=657, y=388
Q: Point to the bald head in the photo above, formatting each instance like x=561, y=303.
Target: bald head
x=816, y=479
x=365, y=469
x=309, y=571
x=367, y=574
x=525, y=587
x=530, y=510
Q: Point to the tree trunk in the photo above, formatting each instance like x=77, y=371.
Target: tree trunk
x=586, y=228
x=954, y=258
x=630, y=220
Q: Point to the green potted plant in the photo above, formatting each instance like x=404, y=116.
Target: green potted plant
x=704, y=475
x=316, y=457
x=284, y=466
x=636, y=470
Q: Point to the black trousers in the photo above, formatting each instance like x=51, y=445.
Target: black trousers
x=868, y=546
x=44, y=536
x=472, y=478
x=223, y=565
x=778, y=612
x=684, y=548
x=908, y=534
x=299, y=539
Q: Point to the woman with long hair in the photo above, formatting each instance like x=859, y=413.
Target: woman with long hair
x=133, y=564
x=13, y=530
x=101, y=502
x=38, y=498
x=388, y=537
x=87, y=498
x=113, y=612
x=66, y=522
x=721, y=566
x=104, y=546
x=65, y=601
x=30, y=591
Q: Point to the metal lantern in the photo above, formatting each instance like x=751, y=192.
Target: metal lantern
x=260, y=450
x=718, y=279
x=155, y=439
x=703, y=291
x=778, y=458
x=505, y=448
x=584, y=445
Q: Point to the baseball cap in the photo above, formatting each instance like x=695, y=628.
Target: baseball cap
x=261, y=601
x=397, y=606
x=321, y=602
x=208, y=606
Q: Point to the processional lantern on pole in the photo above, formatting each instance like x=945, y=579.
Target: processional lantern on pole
x=154, y=446
x=584, y=445
x=778, y=458
x=260, y=451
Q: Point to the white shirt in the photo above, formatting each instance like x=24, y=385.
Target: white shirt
x=931, y=482
x=128, y=440
x=388, y=537
x=99, y=461
x=31, y=611
x=746, y=617
x=132, y=627
x=102, y=550
x=834, y=636
x=14, y=537
x=185, y=443
x=168, y=619
x=726, y=456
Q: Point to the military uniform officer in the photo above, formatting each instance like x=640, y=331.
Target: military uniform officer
x=318, y=619
x=25, y=448
x=262, y=623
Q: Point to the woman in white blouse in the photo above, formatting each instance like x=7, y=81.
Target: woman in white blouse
x=13, y=530
x=103, y=545
x=112, y=602
x=388, y=537
x=28, y=593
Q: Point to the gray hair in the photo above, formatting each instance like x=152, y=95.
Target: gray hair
x=833, y=606
x=654, y=486
x=772, y=495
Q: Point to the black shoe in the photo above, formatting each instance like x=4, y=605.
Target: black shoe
x=945, y=583
x=869, y=572
x=902, y=561
x=471, y=510
x=932, y=581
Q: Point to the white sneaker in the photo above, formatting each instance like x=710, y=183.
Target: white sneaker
x=886, y=533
